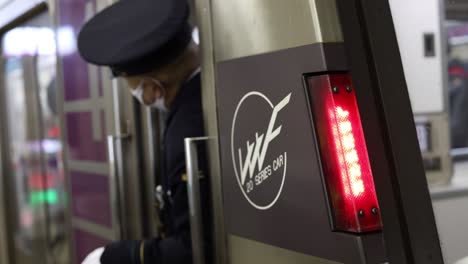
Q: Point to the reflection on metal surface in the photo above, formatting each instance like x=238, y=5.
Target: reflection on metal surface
x=326, y=21
x=150, y=146
x=246, y=27
x=115, y=164
x=194, y=196
x=196, y=36
x=210, y=116
x=38, y=40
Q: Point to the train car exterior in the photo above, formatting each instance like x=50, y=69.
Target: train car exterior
x=313, y=148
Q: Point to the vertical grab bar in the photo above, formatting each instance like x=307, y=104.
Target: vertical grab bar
x=193, y=191
x=116, y=164
x=116, y=184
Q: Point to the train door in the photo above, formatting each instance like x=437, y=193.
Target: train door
x=109, y=141
x=34, y=193
x=313, y=148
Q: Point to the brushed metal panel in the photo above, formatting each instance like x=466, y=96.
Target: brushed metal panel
x=4, y=253
x=247, y=27
x=257, y=252
x=326, y=20
x=203, y=13
x=233, y=29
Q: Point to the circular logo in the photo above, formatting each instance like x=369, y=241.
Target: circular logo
x=258, y=157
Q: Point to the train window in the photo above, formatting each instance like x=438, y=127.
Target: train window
x=32, y=142
x=457, y=33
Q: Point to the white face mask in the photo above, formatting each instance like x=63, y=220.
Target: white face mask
x=159, y=103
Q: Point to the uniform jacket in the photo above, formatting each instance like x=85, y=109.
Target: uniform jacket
x=185, y=119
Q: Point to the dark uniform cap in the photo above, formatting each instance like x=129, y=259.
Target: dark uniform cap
x=136, y=36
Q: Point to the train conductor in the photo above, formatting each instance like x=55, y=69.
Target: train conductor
x=149, y=44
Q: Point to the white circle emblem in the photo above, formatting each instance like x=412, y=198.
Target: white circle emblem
x=234, y=120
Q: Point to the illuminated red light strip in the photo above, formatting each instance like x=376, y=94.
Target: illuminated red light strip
x=350, y=153
x=339, y=152
x=345, y=148
x=345, y=161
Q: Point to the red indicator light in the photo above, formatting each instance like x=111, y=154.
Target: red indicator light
x=345, y=161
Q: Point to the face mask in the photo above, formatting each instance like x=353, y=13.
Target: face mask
x=159, y=103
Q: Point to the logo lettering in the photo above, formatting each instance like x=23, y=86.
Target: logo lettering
x=254, y=155
x=260, y=174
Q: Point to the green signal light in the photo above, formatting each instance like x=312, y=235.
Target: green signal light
x=42, y=197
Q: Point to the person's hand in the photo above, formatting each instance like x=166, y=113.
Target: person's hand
x=94, y=257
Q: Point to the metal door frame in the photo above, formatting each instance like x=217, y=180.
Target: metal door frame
x=147, y=126
x=204, y=20
x=4, y=245
x=7, y=194
x=374, y=59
